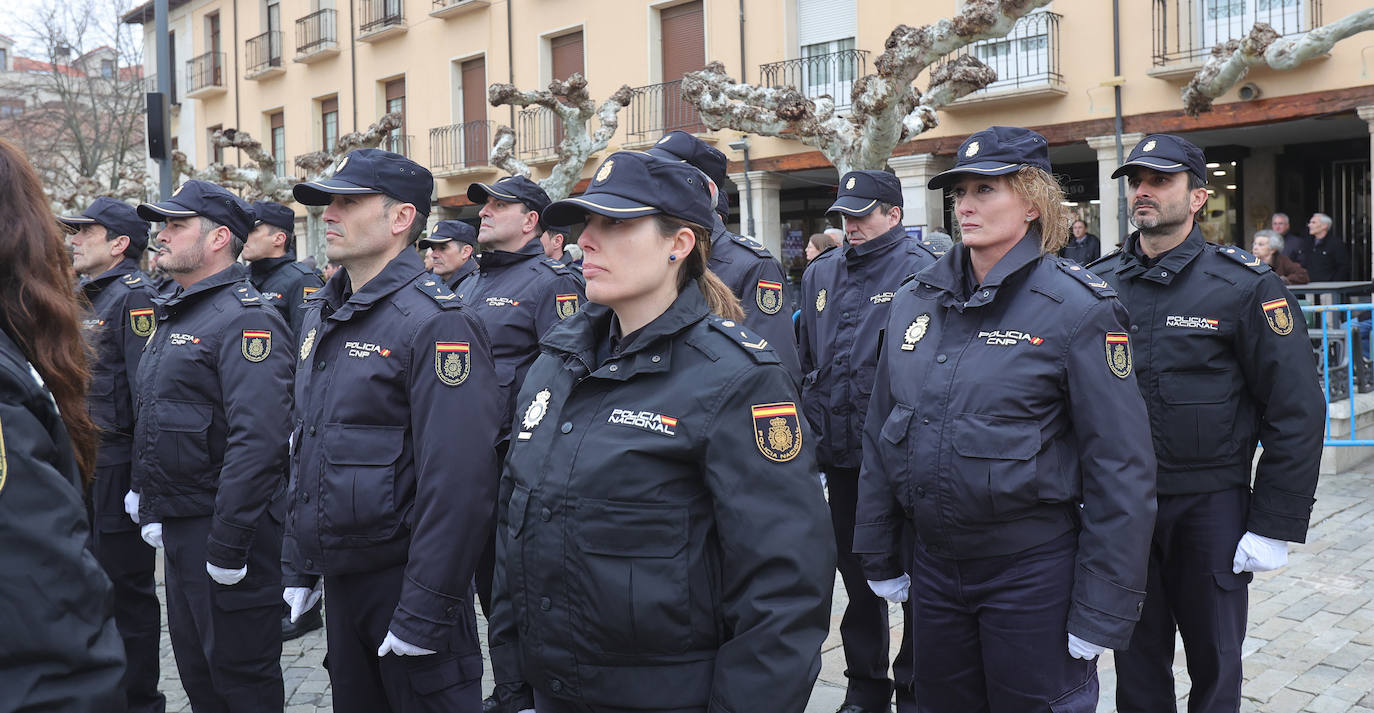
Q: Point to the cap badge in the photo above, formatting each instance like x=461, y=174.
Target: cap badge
x=178, y=190
x=343, y=162
x=972, y=149
x=665, y=139
x=1149, y=146
x=605, y=171
x=849, y=185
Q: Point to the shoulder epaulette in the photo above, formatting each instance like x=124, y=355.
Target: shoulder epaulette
x=908, y=278
x=753, y=344
x=248, y=294
x=1099, y=286
x=555, y=265
x=1255, y=264
x=753, y=245
x=928, y=246
x=1103, y=259
x=437, y=291
x=133, y=279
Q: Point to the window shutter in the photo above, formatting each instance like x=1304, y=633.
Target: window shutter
x=683, y=40
x=567, y=55
x=825, y=21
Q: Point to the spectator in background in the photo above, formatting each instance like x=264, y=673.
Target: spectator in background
x=819, y=243
x=1268, y=246
x=1083, y=247
x=1295, y=246
x=1327, y=259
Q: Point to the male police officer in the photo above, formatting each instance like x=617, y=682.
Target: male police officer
x=394, y=376
x=109, y=239
x=270, y=251
x=846, y=294
x=451, y=246
x=743, y=264
x=213, y=403
x=554, y=240
x=1222, y=359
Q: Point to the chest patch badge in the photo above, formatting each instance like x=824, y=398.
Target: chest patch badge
x=256, y=345
x=141, y=321
x=820, y=301
x=534, y=413
x=452, y=362
x=768, y=296
x=1277, y=314
x=777, y=431
x=308, y=343
x=1119, y=354
x=567, y=305
x=644, y=420
x=915, y=332
x=1189, y=322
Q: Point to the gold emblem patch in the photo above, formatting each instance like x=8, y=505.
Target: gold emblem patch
x=777, y=431
x=605, y=170
x=256, y=345
x=1277, y=314
x=972, y=149
x=141, y=321
x=1149, y=146
x=452, y=362
x=1119, y=353
x=768, y=296
x=915, y=332
x=567, y=305
x=820, y=301
x=849, y=185
x=308, y=343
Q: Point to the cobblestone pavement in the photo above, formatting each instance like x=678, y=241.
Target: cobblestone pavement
x=1310, y=647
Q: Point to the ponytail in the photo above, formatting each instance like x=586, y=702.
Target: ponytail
x=719, y=298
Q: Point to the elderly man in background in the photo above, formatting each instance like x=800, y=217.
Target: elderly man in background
x=1268, y=246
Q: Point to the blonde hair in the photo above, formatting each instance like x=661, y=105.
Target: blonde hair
x=1043, y=193
x=719, y=298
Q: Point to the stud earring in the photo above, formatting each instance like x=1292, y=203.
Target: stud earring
x=672, y=258
x=1029, y=219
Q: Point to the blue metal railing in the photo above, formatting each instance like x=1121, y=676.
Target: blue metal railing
x=1336, y=331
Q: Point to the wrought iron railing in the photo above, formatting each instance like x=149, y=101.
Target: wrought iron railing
x=204, y=71
x=1027, y=56
x=457, y=146
x=316, y=31
x=538, y=131
x=832, y=73
x=657, y=109
x=398, y=143
x=1185, y=31
x=380, y=14
x=263, y=51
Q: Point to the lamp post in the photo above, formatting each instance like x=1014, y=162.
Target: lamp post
x=742, y=145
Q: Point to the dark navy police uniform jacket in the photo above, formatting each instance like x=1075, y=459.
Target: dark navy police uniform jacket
x=394, y=456
x=996, y=413
x=285, y=284
x=757, y=279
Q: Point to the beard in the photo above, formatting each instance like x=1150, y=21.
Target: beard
x=185, y=261
x=1165, y=218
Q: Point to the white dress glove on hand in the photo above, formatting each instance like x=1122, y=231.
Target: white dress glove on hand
x=302, y=599
x=1085, y=650
x=131, y=505
x=893, y=590
x=400, y=648
x=152, y=534
x=1257, y=553
x=226, y=576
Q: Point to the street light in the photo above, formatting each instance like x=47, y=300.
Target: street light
x=742, y=145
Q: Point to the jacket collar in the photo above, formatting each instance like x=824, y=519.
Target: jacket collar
x=228, y=276
x=882, y=243
x=268, y=265
x=1132, y=265
x=468, y=268
x=99, y=282
x=650, y=350
x=502, y=258
x=950, y=274
x=401, y=271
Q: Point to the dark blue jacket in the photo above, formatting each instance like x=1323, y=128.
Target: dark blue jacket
x=845, y=298
x=751, y=272
x=997, y=412
x=1224, y=362
x=117, y=325
x=662, y=542
x=464, y=278
x=214, y=401
x=285, y=284
x=394, y=460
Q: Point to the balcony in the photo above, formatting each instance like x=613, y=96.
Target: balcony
x=449, y=8
x=398, y=143
x=317, y=37
x=262, y=56
x=460, y=148
x=205, y=75
x=1026, y=61
x=1184, y=31
x=831, y=74
x=150, y=85
x=657, y=109
x=380, y=19
x=538, y=131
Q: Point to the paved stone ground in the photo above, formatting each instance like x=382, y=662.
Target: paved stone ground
x=1310, y=647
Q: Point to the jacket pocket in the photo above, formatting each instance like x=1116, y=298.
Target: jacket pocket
x=358, y=492
x=635, y=597
x=997, y=460
x=515, y=511
x=1197, y=415
x=183, y=440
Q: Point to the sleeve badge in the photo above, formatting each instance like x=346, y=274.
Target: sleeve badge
x=452, y=362
x=768, y=296
x=1119, y=354
x=1276, y=313
x=141, y=322
x=256, y=345
x=777, y=431
x=567, y=305
x=820, y=301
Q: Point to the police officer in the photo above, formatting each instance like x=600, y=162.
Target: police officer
x=108, y=241
x=554, y=239
x=743, y=264
x=677, y=561
x=213, y=403
x=451, y=247
x=846, y=295
x=394, y=379
x=1223, y=361
x=1003, y=425
x=270, y=252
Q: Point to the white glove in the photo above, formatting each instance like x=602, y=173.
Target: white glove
x=400, y=648
x=893, y=590
x=1257, y=553
x=131, y=505
x=226, y=576
x=152, y=534
x=1085, y=650
x=302, y=599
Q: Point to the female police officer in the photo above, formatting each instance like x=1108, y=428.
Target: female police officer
x=1005, y=425
x=662, y=542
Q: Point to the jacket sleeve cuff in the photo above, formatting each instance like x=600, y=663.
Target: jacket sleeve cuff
x=1102, y=611
x=1280, y=515
x=425, y=617
x=227, y=545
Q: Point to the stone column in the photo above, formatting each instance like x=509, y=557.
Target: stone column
x=923, y=206
x=1367, y=113
x=766, y=207
x=1107, y=186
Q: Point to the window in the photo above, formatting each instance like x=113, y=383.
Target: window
x=829, y=68
x=214, y=48
x=329, y=123
x=565, y=54
x=277, y=122
x=107, y=69
x=396, y=102
x=11, y=108
x=683, y=38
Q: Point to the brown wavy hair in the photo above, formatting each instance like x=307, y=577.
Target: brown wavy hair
x=39, y=307
x=719, y=298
